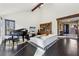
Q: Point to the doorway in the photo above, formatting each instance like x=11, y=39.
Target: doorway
x=66, y=29
x=69, y=26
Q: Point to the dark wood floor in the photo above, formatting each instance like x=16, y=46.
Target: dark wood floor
x=63, y=47
x=24, y=49
x=28, y=50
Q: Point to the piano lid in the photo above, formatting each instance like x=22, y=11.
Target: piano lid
x=22, y=29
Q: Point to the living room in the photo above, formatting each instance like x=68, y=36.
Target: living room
x=30, y=16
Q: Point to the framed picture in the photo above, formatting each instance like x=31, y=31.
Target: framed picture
x=32, y=29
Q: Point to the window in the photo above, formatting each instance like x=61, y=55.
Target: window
x=9, y=26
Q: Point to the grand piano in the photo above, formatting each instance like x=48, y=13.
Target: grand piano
x=22, y=32
x=16, y=34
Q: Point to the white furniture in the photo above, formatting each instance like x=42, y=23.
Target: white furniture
x=43, y=41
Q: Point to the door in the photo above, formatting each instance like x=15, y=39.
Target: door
x=66, y=28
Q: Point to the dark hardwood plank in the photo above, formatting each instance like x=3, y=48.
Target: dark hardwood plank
x=24, y=49
x=64, y=47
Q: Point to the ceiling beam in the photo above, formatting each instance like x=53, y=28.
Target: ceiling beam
x=38, y=5
x=70, y=16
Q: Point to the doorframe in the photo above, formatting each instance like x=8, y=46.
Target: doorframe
x=64, y=18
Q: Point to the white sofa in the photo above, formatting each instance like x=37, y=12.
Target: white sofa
x=43, y=41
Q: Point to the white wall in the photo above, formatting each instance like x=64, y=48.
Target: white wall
x=47, y=13
x=24, y=19
x=50, y=12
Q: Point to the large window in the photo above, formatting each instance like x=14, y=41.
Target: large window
x=9, y=26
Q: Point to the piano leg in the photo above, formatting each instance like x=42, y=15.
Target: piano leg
x=5, y=42
x=13, y=43
x=23, y=38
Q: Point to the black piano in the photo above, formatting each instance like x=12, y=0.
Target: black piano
x=22, y=32
x=19, y=33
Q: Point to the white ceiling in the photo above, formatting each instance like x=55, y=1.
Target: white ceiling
x=6, y=8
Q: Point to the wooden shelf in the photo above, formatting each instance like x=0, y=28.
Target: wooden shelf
x=46, y=28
